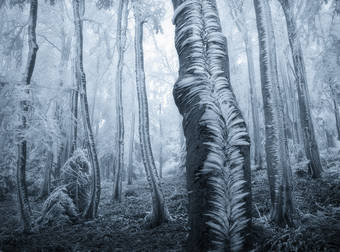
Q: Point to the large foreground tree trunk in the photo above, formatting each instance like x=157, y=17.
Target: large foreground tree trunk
x=278, y=165
x=217, y=142
x=122, y=21
x=159, y=212
x=24, y=205
x=92, y=208
x=309, y=140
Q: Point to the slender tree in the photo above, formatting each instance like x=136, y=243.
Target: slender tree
x=131, y=147
x=278, y=166
x=237, y=11
x=217, y=142
x=160, y=142
x=159, y=212
x=122, y=23
x=24, y=204
x=309, y=140
x=92, y=208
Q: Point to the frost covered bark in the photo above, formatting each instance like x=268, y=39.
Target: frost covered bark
x=92, y=208
x=122, y=22
x=309, y=140
x=217, y=142
x=278, y=165
x=24, y=205
x=159, y=212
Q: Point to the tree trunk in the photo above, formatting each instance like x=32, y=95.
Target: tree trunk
x=159, y=212
x=160, y=142
x=45, y=189
x=310, y=144
x=131, y=146
x=24, y=205
x=278, y=167
x=122, y=23
x=337, y=118
x=239, y=18
x=217, y=142
x=92, y=208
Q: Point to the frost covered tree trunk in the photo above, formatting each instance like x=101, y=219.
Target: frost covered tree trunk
x=309, y=140
x=122, y=23
x=24, y=205
x=237, y=13
x=217, y=142
x=92, y=208
x=278, y=165
x=131, y=146
x=159, y=212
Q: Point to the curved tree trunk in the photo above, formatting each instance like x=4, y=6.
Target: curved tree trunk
x=121, y=41
x=24, y=205
x=310, y=144
x=159, y=212
x=278, y=167
x=92, y=208
x=217, y=164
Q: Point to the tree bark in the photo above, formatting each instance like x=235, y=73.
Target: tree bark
x=24, y=205
x=122, y=23
x=92, y=208
x=310, y=143
x=278, y=167
x=159, y=212
x=217, y=142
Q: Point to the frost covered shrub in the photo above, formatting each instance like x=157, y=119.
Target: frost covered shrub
x=68, y=201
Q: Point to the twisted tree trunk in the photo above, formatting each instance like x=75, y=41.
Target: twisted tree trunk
x=24, y=205
x=309, y=140
x=217, y=142
x=122, y=23
x=159, y=212
x=92, y=208
x=278, y=167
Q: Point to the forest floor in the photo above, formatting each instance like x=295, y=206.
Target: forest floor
x=119, y=227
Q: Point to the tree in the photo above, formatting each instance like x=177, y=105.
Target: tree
x=159, y=212
x=92, y=208
x=160, y=144
x=131, y=146
x=122, y=22
x=237, y=12
x=24, y=204
x=217, y=142
x=309, y=140
x=278, y=165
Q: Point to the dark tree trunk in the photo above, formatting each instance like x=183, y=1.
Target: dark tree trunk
x=24, y=205
x=217, y=142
